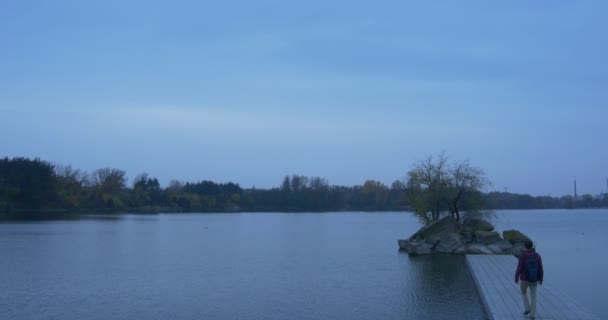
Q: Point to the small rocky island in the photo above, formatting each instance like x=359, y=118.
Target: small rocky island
x=472, y=236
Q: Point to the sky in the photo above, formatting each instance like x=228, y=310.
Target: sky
x=251, y=91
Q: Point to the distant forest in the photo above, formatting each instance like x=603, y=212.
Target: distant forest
x=37, y=189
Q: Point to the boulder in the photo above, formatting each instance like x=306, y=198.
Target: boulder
x=424, y=248
x=474, y=236
x=415, y=247
x=448, y=243
x=504, y=245
x=486, y=237
x=478, y=224
x=465, y=228
x=496, y=249
x=479, y=249
x=467, y=236
x=516, y=250
x=460, y=250
x=514, y=236
x=442, y=226
x=405, y=245
x=433, y=240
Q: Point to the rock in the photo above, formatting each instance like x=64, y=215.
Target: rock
x=404, y=245
x=442, y=226
x=479, y=249
x=496, y=249
x=460, y=250
x=516, y=250
x=504, y=245
x=433, y=240
x=478, y=224
x=475, y=236
x=448, y=243
x=465, y=228
x=415, y=247
x=487, y=237
x=424, y=248
x=467, y=236
x=514, y=236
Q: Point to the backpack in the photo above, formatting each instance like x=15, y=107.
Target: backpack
x=531, y=267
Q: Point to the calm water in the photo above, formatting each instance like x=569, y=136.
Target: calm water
x=269, y=266
x=227, y=266
x=574, y=247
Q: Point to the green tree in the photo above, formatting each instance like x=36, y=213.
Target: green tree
x=146, y=191
x=27, y=184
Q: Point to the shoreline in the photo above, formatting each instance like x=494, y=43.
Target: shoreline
x=57, y=215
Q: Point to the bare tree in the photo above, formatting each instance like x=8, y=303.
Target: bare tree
x=71, y=177
x=466, y=183
x=426, y=185
x=436, y=187
x=109, y=180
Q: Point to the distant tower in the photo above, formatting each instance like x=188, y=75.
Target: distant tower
x=575, y=196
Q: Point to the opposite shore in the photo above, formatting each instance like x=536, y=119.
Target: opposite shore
x=37, y=189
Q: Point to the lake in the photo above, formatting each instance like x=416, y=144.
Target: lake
x=573, y=245
x=271, y=266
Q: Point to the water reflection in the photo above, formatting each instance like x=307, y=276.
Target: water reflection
x=102, y=217
x=442, y=282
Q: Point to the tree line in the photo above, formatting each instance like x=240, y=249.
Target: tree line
x=37, y=189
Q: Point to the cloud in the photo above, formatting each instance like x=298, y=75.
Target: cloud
x=284, y=124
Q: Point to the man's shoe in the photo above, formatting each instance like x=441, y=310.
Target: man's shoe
x=526, y=312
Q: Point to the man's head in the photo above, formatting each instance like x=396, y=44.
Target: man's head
x=528, y=244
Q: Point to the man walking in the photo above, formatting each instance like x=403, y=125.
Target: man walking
x=530, y=272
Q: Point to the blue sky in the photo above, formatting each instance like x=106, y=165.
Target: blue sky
x=250, y=91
